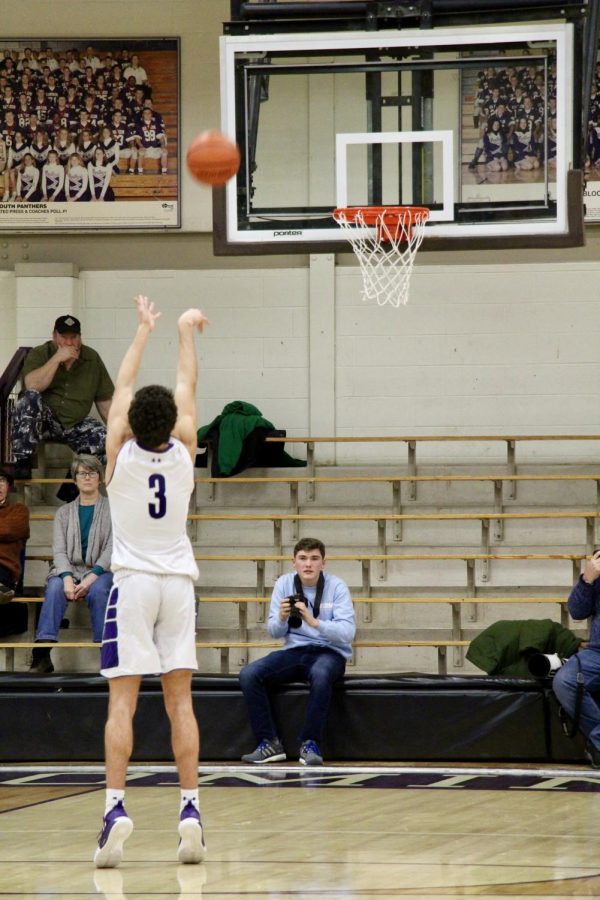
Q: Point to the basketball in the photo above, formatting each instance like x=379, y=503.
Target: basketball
x=213, y=158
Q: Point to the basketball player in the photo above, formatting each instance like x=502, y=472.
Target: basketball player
x=150, y=619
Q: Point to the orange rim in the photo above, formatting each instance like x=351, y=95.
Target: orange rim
x=388, y=215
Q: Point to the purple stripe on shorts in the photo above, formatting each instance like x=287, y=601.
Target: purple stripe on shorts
x=109, y=652
x=110, y=631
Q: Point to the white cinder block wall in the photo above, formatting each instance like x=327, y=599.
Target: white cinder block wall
x=7, y=317
x=255, y=348
x=478, y=349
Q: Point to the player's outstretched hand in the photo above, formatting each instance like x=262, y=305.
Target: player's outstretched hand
x=146, y=314
x=193, y=317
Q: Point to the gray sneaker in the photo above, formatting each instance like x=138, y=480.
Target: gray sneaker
x=310, y=755
x=266, y=752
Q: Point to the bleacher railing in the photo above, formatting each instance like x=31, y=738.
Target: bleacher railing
x=8, y=398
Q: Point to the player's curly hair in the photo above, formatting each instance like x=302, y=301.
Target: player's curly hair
x=152, y=415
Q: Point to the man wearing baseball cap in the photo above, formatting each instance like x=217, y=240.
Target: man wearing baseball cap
x=62, y=379
x=14, y=531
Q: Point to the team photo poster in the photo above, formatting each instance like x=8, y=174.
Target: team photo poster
x=89, y=134
x=592, y=161
x=508, y=136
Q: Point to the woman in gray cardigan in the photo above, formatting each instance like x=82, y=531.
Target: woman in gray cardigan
x=82, y=548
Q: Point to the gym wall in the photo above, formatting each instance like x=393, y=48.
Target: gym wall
x=490, y=341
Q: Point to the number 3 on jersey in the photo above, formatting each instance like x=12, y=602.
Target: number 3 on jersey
x=158, y=508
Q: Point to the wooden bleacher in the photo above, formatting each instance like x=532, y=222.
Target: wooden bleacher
x=456, y=603
x=9, y=648
x=412, y=441
x=368, y=597
x=133, y=187
x=485, y=520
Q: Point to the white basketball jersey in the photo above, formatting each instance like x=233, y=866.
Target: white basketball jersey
x=149, y=496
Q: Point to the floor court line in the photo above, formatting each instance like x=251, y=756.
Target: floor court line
x=301, y=836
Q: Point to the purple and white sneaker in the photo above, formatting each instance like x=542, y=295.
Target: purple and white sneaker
x=192, y=848
x=116, y=828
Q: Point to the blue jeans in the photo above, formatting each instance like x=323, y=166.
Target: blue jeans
x=564, y=685
x=318, y=666
x=55, y=603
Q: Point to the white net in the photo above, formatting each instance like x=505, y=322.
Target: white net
x=385, y=241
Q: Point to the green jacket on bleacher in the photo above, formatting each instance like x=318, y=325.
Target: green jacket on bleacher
x=234, y=424
x=504, y=647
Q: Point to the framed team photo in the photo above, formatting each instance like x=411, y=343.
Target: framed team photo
x=89, y=134
x=511, y=128
x=591, y=194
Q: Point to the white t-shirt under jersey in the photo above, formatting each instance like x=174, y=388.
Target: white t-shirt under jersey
x=149, y=496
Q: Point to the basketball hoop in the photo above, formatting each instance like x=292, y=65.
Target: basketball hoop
x=385, y=240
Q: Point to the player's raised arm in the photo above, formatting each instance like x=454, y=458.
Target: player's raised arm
x=118, y=430
x=187, y=374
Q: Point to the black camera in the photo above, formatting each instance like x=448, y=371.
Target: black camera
x=295, y=619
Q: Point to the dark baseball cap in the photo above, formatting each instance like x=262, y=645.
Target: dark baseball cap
x=66, y=324
x=6, y=473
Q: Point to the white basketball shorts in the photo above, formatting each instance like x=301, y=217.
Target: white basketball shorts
x=150, y=625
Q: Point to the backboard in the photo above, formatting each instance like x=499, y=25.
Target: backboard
x=476, y=123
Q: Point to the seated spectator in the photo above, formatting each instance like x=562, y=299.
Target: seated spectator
x=62, y=378
x=82, y=548
x=14, y=531
x=580, y=674
x=313, y=612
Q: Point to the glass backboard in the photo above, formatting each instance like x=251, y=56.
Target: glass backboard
x=475, y=123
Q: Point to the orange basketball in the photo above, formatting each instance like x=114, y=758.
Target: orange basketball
x=213, y=158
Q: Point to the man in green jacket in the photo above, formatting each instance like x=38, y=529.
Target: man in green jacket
x=62, y=379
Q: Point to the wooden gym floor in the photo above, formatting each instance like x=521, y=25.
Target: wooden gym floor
x=287, y=832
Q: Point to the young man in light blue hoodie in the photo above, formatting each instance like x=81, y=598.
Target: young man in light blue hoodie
x=313, y=612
